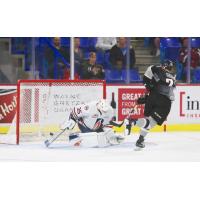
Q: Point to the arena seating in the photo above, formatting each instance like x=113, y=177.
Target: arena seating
x=114, y=76
x=169, y=48
x=133, y=75
x=195, y=42
x=120, y=76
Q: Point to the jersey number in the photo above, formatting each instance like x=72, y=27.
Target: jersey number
x=170, y=81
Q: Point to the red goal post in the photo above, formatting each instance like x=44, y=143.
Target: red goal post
x=43, y=104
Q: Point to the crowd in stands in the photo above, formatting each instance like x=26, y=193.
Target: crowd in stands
x=92, y=57
x=106, y=57
x=118, y=55
x=52, y=60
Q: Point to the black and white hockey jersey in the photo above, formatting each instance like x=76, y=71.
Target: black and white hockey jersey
x=160, y=81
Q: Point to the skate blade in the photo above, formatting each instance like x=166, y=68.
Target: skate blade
x=138, y=148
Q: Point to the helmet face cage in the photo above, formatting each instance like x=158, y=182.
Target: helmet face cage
x=169, y=66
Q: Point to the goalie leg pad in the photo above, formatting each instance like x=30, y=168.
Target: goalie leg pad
x=113, y=138
x=93, y=139
x=101, y=139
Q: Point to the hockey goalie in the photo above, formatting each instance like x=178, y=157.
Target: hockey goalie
x=93, y=120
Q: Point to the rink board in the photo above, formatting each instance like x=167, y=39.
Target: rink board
x=184, y=114
x=55, y=129
x=183, y=127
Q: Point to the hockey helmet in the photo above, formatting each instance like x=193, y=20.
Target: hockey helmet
x=169, y=66
x=102, y=105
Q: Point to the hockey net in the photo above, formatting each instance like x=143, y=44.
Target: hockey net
x=43, y=105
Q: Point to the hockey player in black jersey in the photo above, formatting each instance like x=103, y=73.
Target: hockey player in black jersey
x=160, y=83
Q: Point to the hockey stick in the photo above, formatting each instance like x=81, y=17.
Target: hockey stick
x=116, y=124
x=48, y=142
x=131, y=111
x=120, y=124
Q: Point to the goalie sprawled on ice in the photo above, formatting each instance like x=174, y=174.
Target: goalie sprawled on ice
x=92, y=120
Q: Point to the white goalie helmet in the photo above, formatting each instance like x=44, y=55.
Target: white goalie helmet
x=103, y=106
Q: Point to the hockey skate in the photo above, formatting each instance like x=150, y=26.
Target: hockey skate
x=140, y=143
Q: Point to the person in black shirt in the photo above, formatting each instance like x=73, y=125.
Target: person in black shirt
x=91, y=70
x=118, y=54
x=55, y=64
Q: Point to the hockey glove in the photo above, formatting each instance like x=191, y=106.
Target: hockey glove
x=142, y=100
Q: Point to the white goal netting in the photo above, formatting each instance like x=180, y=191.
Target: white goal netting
x=45, y=104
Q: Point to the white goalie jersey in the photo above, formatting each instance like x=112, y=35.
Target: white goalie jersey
x=92, y=116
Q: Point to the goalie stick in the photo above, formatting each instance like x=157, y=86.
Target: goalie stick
x=48, y=142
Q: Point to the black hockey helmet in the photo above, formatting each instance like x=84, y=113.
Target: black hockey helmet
x=169, y=66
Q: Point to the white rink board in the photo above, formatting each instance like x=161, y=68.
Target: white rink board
x=186, y=107
x=179, y=113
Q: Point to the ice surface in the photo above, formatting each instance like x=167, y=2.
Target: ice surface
x=159, y=147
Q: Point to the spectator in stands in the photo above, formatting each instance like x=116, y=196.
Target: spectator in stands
x=183, y=41
x=56, y=56
x=183, y=58
x=91, y=70
x=155, y=46
x=105, y=43
x=78, y=54
x=118, y=54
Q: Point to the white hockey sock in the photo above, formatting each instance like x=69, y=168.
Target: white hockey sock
x=145, y=125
